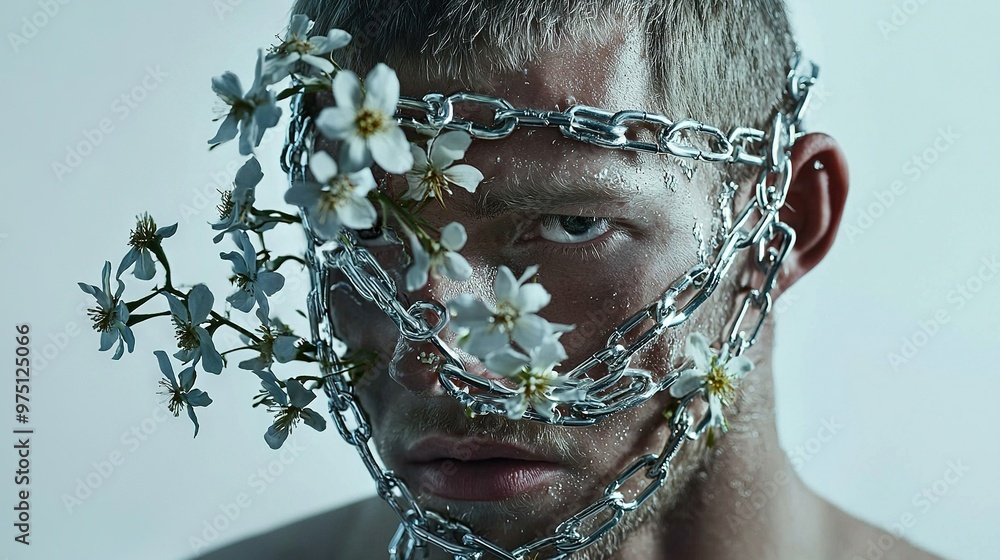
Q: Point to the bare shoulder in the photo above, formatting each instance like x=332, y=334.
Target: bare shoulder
x=855, y=539
x=359, y=531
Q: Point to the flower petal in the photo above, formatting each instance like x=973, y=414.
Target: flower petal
x=465, y=176
x=449, y=148
x=197, y=397
x=270, y=384
x=506, y=361
x=285, y=349
x=382, y=91
x=249, y=174
x=228, y=87
x=275, y=437
x=456, y=267
x=363, y=181
x=548, y=354
x=390, y=150
x=144, y=268
x=337, y=123
x=416, y=275
x=346, y=93
x=187, y=376
x=689, y=381
x=313, y=419
x=453, y=236
x=531, y=331
x=298, y=396
x=468, y=312
x=357, y=213
x=505, y=285
x=482, y=342
x=165, y=367
x=320, y=63
x=322, y=166
x=304, y=195
x=698, y=350
x=211, y=360
x=738, y=367
x=354, y=154
x=269, y=282
x=531, y=297
x=127, y=261
x=200, y=302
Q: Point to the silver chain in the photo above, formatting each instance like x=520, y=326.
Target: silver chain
x=622, y=387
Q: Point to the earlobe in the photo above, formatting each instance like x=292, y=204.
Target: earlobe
x=815, y=204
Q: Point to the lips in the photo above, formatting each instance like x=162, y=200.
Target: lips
x=469, y=469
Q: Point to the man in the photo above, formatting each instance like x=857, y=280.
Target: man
x=611, y=230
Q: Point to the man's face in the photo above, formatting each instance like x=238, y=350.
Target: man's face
x=610, y=231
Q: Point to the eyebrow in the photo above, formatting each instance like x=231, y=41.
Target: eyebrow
x=538, y=194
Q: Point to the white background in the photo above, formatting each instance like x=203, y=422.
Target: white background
x=886, y=94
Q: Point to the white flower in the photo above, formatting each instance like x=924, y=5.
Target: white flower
x=486, y=328
x=443, y=259
x=253, y=113
x=432, y=172
x=336, y=199
x=718, y=374
x=540, y=387
x=365, y=121
x=298, y=45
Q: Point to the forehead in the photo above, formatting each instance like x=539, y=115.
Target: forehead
x=609, y=72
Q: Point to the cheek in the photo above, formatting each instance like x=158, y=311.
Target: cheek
x=358, y=322
x=599, y=297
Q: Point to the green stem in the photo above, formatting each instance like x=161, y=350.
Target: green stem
x=219, y=321
x=136, y=319
x=132, y=306
x=238, y=348
x=162, y=257
x=285, y=258
x=276, y=216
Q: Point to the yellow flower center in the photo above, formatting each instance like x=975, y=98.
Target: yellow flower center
x=103, y=319
x=175, y=400
x=435, y=183
x=720, y=384
x=144, y=232
x=505, y=316
x=187, y=338
x=370, y=122
x=337, y=191
x=533, y=381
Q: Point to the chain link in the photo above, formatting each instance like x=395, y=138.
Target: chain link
x=419, y=527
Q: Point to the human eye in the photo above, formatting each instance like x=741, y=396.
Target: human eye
x=572, y=229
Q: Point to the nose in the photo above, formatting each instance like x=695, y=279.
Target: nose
x=416, y=365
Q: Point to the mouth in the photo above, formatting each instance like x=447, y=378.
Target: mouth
x=477, y=469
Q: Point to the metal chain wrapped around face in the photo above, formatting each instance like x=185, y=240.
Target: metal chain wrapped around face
x=419, y=527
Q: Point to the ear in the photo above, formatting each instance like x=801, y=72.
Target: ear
x=814, y=206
